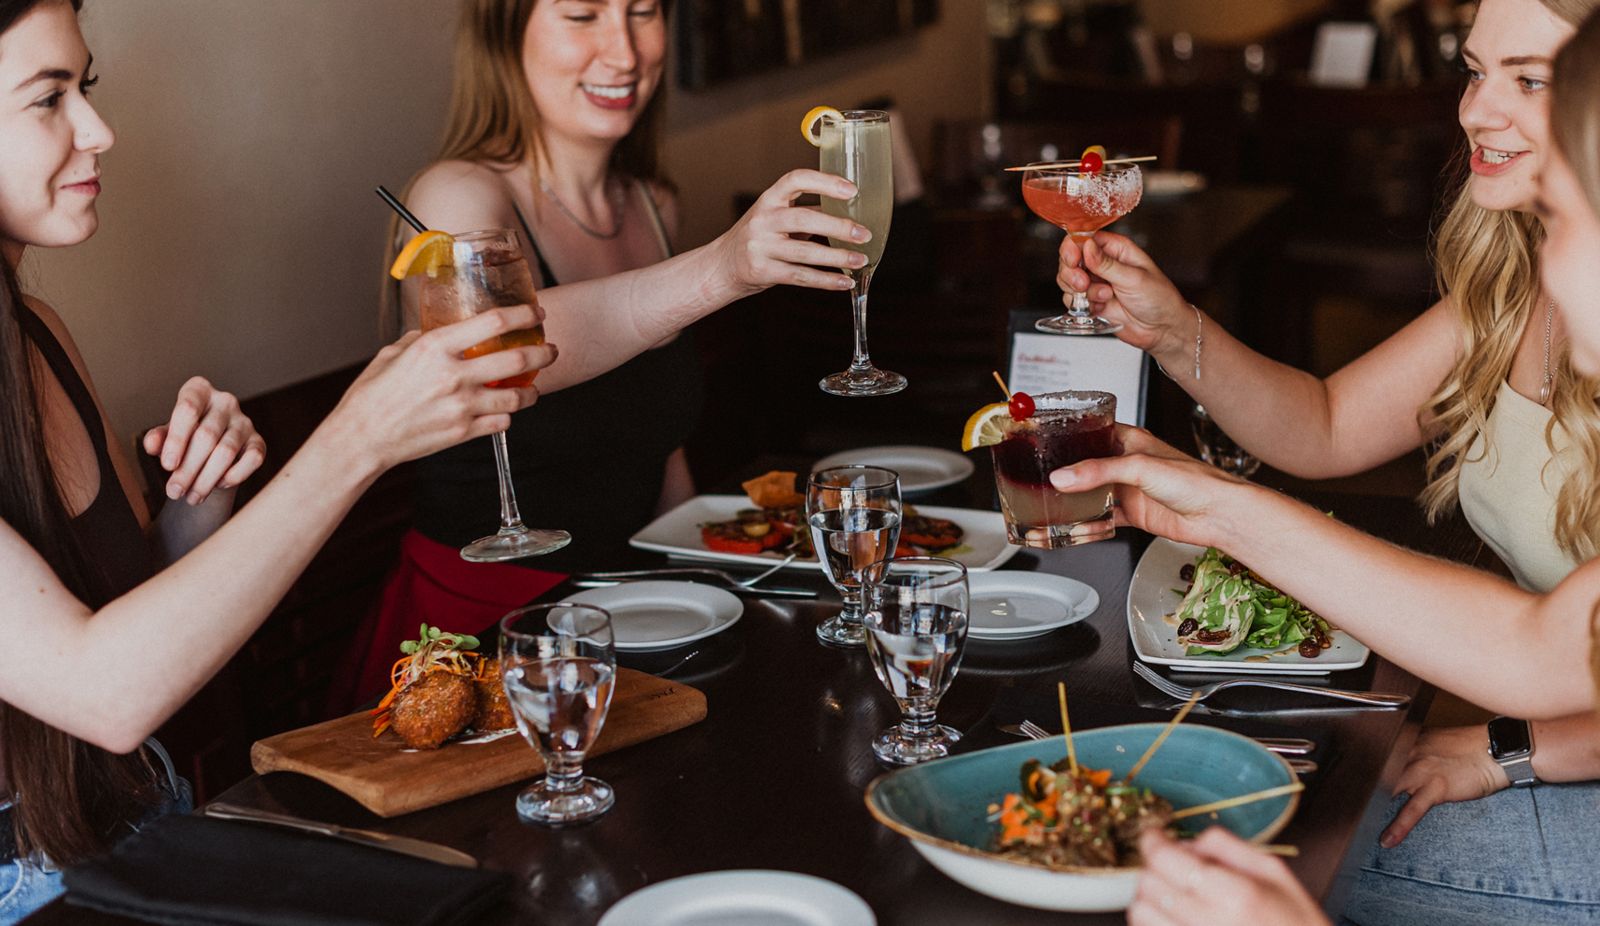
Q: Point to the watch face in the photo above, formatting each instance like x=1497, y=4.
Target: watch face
x=1508, y=737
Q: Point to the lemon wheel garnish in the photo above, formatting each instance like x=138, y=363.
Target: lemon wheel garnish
x=428, y=252
x=986, y=427
x=811, y=123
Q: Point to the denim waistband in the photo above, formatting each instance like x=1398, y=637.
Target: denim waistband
x=8, y=835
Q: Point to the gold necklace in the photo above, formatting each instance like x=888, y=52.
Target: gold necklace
x=616, y=205
x=1548, y=379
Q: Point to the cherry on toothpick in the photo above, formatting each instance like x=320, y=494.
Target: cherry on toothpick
x=1021, y=406
x=1092, y=163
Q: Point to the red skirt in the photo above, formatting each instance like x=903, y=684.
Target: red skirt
x=431, y=584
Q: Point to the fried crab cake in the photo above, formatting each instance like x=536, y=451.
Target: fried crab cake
x=433, y=708
x=494, y=711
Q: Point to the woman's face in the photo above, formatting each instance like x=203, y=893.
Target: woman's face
x=50, y=137
x=592, y=65
x=1569, y=260
x=1505, y=109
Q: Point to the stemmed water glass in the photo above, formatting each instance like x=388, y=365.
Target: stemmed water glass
x=854, y=515
x=488, y=272
x=1080, y=203
x=858, y=149
x=558, y=663
x=916, y=620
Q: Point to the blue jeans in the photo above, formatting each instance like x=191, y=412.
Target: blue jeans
x=1521, y=855
x=26, y=884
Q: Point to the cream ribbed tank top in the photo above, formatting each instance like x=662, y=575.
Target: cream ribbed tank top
x=1508, y=493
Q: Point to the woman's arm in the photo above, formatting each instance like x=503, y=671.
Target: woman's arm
x=1365, y=414
x=112, y=676
x=1456, y=627
x=605, y=322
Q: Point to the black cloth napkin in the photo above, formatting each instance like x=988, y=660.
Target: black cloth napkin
x=196, y=870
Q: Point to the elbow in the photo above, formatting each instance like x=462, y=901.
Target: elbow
x=120, y=731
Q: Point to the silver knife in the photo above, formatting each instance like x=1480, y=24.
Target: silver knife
x=405, y=845
x=772, y=591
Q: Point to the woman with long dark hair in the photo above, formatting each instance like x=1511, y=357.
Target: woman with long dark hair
x=103, y=647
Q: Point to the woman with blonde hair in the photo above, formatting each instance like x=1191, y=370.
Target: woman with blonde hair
x=1543, y=661
x=552, y=133
x=1482, y=377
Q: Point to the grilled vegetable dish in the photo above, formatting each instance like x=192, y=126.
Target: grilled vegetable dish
x=777, y=523
x=1082, y=820
x=1228, y=606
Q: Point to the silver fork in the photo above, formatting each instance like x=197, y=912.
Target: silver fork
x=1300, y=766
x=1174, y=690
x=585, y=578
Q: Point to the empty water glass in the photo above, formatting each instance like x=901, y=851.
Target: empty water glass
x=1218, y=449
x=916, y=621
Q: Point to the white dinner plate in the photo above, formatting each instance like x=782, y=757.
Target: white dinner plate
x=742, y=898
x=656, y=615
x=921, y=469
x=1016, y=605
x=677, y=533
x=1155, y=593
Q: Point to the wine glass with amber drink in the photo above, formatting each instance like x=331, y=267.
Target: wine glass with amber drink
x=1080, y=198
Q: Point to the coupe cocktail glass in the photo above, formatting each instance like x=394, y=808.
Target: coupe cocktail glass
x=916, y=620
x=854, y=516
x=858, y=150
x=558, y=663
x=489, y=271
x=1066, y=427
x=1081, y=204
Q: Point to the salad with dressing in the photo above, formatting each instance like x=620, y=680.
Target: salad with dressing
x=1228, y=606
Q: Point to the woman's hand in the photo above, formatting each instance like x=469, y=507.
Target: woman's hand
x=1446, y=764
x=1217, y=878
x=770, y=243
x=1158, y=488
x=419, y=395
x=207, y=444
x=1125, y=285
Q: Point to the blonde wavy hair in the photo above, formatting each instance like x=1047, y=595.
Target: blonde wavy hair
x=493, y=117
x=1486, y=265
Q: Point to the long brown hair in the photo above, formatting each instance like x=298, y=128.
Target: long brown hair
x=71, y=796
x=1487, y=266
x=494, y=119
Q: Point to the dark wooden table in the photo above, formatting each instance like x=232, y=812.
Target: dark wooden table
x=773, y=777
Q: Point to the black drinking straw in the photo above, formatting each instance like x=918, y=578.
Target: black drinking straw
x=405, y=213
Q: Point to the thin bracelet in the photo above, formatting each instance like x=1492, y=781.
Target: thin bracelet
x=1199, y=339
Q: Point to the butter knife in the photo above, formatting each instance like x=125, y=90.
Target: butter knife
x=405, y=845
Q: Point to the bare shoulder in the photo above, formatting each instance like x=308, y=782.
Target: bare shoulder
x=462, y=195
x=58, y=327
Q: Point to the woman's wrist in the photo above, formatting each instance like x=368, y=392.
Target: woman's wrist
x=1179, y=347
x=344, y=455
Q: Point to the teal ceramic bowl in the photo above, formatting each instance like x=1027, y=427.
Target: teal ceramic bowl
x=942, y=807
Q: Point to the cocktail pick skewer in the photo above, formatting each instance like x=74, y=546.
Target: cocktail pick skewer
x=1227, y=802
x=1167, y=731
x=398, y=207
x=1050, y=165
x=1003, y=387
x=1281, y=850
x=1066, y=730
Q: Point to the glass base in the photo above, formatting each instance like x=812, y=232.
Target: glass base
x=1055, y=536
x=836, y=631
x=1076, y=324
x=497, y=548
x=897, y=746
x=539, y=804
x=871, y=381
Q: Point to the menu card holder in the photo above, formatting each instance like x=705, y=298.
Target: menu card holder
x=1052, y=362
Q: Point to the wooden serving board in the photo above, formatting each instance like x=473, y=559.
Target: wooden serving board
x=389, y=780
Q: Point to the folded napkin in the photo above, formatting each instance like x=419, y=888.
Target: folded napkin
x=195, y=870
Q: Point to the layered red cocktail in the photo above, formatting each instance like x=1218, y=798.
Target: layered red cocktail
x=1065, y=427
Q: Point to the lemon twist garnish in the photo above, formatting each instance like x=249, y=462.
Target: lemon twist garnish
x=429, y=252
x=811, y=123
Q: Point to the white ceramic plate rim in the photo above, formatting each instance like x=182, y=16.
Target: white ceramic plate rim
x=724, y=607
x=679, y=899
x=677, y=533
x=1079, y=598
x=1152, y=596
x=956, y=466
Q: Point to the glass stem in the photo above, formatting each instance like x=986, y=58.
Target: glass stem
x=510, y=517
x=917, y=719
x=1080, y=301
x=860, y=363
x=564, y=773
x=851, y=612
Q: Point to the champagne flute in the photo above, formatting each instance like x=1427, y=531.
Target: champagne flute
x=558, y=663
x=916, y=620
x=854, y=515
x=858, y=149
x=489, y=271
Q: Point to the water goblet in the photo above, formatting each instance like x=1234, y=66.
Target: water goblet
x=1218, y=449
x=854, y=516
x=916, y=621
x=558, y=663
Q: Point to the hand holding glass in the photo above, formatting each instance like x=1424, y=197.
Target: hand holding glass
x=558, y=663
x=854, y=515
x=1081, y=204
x=916, y=620
x=1066, y=427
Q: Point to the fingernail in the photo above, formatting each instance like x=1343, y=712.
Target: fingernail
x=858, y=260
x=842, y=283
x=1387, y=842
x=174, y=490
x=193, y=499
x=860, y=233
x=1063, y=478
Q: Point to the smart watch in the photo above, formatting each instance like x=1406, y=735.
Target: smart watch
x=1511, y=746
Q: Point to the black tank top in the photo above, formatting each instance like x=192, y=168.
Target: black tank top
x=108, y=533
x=588, y=459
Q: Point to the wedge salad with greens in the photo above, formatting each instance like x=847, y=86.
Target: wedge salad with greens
x=1228, y=606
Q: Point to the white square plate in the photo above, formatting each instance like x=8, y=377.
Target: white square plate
x=1156, y=591
x=677, y=533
